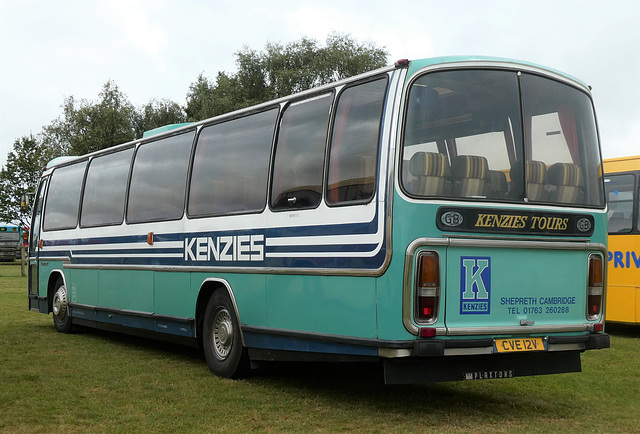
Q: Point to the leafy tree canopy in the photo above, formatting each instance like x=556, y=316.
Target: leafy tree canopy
x=281, y=70
x=19, y=176
x=86, y=127
x=156, y=113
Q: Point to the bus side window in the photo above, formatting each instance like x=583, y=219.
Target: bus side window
x=619, y=189
x=299, y=154
x=105, y=189
x=159, y=179
x=231, y=165
x=353, y=154
x=34, y=231
x=63, y=199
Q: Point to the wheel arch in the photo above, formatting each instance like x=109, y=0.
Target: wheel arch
x=207, y=289
x=51, y=286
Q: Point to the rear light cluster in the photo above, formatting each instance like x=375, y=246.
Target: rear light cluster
x=595, y=287
x=427, y=287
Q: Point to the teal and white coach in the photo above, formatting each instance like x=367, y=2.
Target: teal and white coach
x=442, y=217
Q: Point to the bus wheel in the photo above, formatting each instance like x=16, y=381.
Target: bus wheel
x=60, y=304
x=221, y=340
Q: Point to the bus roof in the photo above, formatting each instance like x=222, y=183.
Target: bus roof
x=413, y=66
x=491, y=61
x=621, y=164
x=60, y=160
x=164, y=129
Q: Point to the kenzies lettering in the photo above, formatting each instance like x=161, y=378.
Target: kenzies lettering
x=224, y=249
x=501, y=221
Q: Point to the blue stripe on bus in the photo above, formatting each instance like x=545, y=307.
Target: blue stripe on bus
x=305, y=246
x=308, y=231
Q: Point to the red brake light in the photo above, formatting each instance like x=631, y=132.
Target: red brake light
x=428, y=332
x=595, y=287
x=428, y=287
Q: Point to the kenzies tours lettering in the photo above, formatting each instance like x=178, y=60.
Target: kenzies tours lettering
x=511, y=221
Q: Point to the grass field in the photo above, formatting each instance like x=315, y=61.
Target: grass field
x=100, y=382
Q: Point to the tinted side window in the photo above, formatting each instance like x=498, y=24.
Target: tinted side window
x=231, y=166
x=354, y=143
x=34, y=233
x=105, y=189
x=159, y=179
x=299, y=158
x=619, y=189
x=63, y=200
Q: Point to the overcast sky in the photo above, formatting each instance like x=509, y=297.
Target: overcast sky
x=50, y=50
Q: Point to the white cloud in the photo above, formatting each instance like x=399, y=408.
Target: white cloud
x=130, y=23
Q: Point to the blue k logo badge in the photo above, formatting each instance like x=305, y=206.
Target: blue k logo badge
x=475, y=285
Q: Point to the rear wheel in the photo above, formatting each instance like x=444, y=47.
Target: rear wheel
x=60, y=307
x=221, y=339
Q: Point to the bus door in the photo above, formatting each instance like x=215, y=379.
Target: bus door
x=36, y=300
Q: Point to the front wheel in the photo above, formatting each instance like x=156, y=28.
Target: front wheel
x=60, y=307
x=221, y=340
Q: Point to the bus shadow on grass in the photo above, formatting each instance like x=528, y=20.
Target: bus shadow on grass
x=362, y=385
x=623, y=329
x=346, y=383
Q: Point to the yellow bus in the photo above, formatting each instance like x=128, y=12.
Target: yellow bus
x=622, y=178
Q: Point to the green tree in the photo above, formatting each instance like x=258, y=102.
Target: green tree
x=281, y=70
x=157, y=113
x=19, y=176
x=86, y=127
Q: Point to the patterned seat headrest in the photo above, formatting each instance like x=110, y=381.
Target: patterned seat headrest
x=470, y=166
x=565, y=174
x=428, y=164
x=536, y=172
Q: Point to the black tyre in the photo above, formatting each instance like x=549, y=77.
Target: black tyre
x=221, y=339
x=60, y=308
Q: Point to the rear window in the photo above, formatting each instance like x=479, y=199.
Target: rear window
x=465, y=138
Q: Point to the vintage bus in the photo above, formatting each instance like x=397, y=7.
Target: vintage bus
x=10, y=242
x=442, y=217
x=623, y=195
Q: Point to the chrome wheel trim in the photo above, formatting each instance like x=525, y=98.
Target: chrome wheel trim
x=222, y=333
x=60, y=303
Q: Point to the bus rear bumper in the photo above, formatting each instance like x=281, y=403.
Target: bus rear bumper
x=462, y=347
x=482, y=367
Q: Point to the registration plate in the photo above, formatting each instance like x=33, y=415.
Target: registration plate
x=513, y=345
